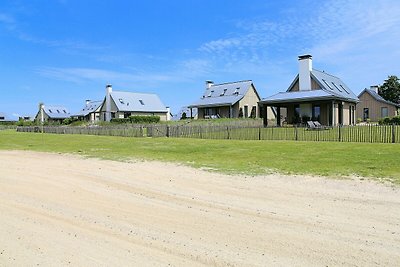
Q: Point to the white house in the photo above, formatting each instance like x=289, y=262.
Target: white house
x=120, y=104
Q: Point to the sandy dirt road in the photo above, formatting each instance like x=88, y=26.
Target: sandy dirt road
x=60, y=210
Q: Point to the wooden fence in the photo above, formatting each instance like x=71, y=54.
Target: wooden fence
x=365, y=133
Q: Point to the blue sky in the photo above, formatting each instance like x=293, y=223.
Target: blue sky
x=66, y=51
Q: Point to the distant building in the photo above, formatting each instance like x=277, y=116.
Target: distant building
x=52, y=113
x=90, y=112
x=4, y=117
x=314, y=95
x=374, y=107
x=120, y=104
x=228, y=100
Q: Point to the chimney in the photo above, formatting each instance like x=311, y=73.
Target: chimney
x=168, y=113
x=209, y=84
x=87, y=101
x=374, y=88
x=108, y=102
x=305, y=68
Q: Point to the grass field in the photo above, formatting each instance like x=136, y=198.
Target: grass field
x=228, y=156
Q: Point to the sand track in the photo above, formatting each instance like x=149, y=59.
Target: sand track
x=66, y=210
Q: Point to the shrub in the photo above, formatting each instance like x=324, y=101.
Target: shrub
x=68, y=121
x=144, y=119
x=120, y=121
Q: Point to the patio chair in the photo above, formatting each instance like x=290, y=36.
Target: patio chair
x=319, y=125
x=311, y=125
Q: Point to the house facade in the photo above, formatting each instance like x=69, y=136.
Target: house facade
x=52, y=114
x=228, y=100
x=90, y=112
x=120, y=104
x=374, y=107
x=314, y=95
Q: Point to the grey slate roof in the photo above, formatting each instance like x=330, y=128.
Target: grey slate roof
x=56, y=112
x=137, y=102
x=7, y=117
x=379, y=98
x=331, y=87
x=92, y=106
x=225, y=94
x=298, y=96
x=334, y=85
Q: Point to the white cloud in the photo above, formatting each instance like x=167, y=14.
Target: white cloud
x=8, y=21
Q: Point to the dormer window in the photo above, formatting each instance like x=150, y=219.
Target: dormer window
x=65, y=111
x=223, y=93
x=50, y=111
x=121, y=101
x=209, y=95
x=58, y=111
x=236, y=92
x=141, y=102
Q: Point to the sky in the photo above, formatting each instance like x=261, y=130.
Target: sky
x=62, y=52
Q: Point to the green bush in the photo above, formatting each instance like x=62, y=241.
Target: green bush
x=68, y=121
x=144, y=119
x=120, y=121
x=390, y=120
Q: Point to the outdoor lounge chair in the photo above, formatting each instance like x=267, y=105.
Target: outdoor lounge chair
x=311, y=125
x=319, y=125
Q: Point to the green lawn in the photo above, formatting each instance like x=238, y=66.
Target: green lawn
x=228, y=156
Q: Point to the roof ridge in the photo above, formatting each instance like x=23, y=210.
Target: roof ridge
x=232, y=82
x=327, y=73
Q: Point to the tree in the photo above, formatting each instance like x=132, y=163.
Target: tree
x=184, y=116
x=390, y=89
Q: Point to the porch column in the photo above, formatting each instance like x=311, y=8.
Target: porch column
x=333, y=113
x=191, y=113
x=230, y=111
x=278, y=116
x=265, y=115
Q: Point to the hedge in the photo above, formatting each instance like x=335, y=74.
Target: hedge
x=137, y=119
x=391, y=120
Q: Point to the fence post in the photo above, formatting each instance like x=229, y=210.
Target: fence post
x=296, y=134
x=393, y=134
x=259, y=133
x=167, y=130
x=340, y=133
x=227, y=129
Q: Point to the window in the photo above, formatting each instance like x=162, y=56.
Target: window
x=2, y=118
x=236, y=92
x=384, y=112
x=341, y=86
x=366, y=114
x=253, y=112
x=209, y=95
x=66, y=112
x=340, y=90
x=316, y=113
x=223, y=93
x=327, y=84
x=50, y=111
x=141, y=102
x=58, y=111
x=246, y=111
x=121, y=101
